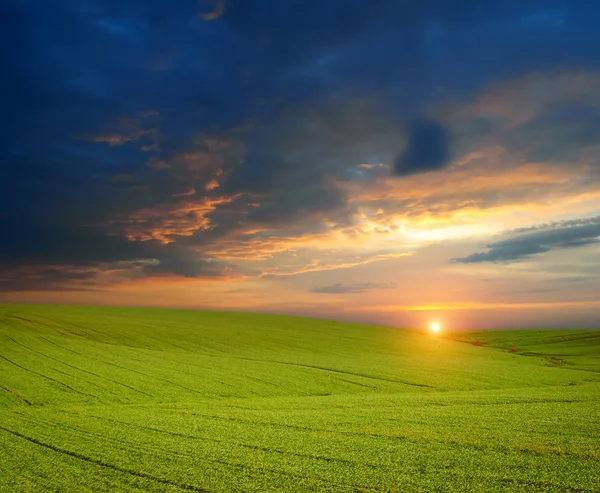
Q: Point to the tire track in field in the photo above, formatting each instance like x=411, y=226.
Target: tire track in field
x=34, y=322
x=80, y=369
x=364, y=375
x=178, y=370
x=101, y=463
x=70, y=375
x=218, y=369
x=356, y=383
x=160, y=452
x=332, y=370
x=47, y=377
x=100, y=360
x=545, y=484
x=13, y=393
x=131, y=369
x=158, y=342
x=341, y=432
x=240, y=444
x=306, y=428
x=86, y=435
x=476, y=446
x=61, y=329
x=93, y=334
x=214, y=463
x=246, y=376
x=125, y=368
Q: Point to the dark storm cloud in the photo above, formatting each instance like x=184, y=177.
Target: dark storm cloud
x=542, y=239
x=51, y=278
x=562, y=132
x=186, y=264
x=339, y=288
x=97, y=89
x=427, y=149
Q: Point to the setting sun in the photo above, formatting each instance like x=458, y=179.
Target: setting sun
x=435, y=327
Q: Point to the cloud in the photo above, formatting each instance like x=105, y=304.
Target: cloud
x=537, y=240
x=564, y=132
x=48, y=277
x=216, y=13
x=267, y=115
x=428, y=149
x=187, y=193
x=112, y=140
x=166, y=222
x=529, y=291
x=187, y=264
x=339, y=288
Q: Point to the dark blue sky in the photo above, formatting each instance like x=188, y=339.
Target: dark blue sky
x=238, y=141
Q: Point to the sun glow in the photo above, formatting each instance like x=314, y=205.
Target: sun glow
x=435, y=327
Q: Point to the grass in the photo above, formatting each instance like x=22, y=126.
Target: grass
x=114, y=399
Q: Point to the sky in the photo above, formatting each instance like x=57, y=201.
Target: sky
x=383, y=161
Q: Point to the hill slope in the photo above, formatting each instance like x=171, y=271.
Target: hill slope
x=113, y=399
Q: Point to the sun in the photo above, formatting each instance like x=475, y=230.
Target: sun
x=435, y=327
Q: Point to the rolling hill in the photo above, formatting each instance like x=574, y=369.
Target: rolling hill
x=121, y=399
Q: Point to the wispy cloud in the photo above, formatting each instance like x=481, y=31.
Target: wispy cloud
x=112, y=140
x=539, y=239
x=339, y=288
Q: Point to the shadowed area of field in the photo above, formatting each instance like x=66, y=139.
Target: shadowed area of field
x=115, y=399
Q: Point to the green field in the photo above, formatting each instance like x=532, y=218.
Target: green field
x=120, y=399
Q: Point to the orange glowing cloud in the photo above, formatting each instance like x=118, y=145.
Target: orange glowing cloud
x=188, y=193
x=112, y=140
x=130, y=129
x=216, y=13
x=469, y=306
x=211, y=185
x=167, y=221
